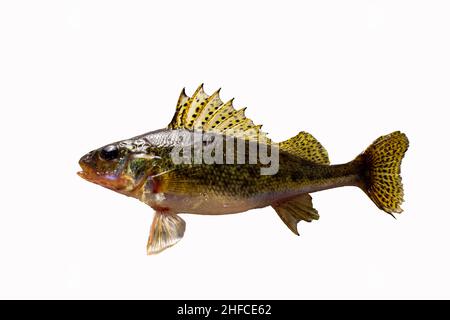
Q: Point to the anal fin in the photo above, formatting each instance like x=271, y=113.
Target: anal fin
x=296, y=209
x=166, y=230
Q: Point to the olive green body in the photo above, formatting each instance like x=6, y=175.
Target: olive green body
x=227, y=188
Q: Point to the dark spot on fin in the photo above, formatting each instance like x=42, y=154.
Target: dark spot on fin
x=305, y=146
x=380, y=171
x=210, y=114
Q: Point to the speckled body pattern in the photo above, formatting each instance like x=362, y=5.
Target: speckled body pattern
x=225, y=188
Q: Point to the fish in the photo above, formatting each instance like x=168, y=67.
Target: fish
x=213, y=160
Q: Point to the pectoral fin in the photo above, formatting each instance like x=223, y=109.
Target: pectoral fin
x=166, y=230
x=296, y=209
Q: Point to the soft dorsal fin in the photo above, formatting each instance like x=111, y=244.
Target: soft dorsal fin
x=209, y=113
x=296, y=209
x=305, y=146
x=166, y=230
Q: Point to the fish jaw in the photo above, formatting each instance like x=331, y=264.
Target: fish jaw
x=110, y=181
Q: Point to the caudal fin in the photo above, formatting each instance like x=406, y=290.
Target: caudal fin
x=381, y=179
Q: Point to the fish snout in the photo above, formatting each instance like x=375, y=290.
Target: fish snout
x=87, y=158
x=85, y=163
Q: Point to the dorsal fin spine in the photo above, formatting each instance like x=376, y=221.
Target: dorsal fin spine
x=191, y=101
x=207, y=118
x=209, y=113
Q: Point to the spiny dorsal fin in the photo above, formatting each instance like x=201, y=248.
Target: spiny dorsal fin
x=305, y=146
x=295, y=210
x=181, y=108
x=209, y=113
x=167, y=229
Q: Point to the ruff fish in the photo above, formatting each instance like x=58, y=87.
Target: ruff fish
x=162, y=169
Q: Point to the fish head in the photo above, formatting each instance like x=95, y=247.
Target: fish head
x=117, y=166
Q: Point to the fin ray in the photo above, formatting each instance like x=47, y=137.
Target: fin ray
x=166, y=230
x=381, y=179
x=209, y=113
x=182, y=104
x=296, y=209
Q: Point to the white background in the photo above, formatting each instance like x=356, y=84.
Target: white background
x=75, y=75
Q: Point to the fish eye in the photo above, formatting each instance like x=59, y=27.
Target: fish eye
x=109, y=152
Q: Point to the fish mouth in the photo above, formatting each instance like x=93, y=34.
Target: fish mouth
x=86, y=171
x=118, y=183
x=89, y=174
x=111, y=181
x=85, y=176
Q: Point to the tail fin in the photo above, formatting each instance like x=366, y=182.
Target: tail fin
x=381, y=171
